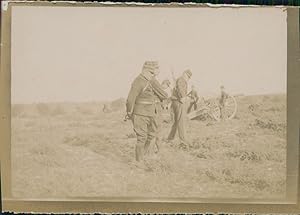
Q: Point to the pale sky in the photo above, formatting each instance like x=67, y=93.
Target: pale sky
x=94, y=53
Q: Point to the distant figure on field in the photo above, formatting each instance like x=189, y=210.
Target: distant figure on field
x=179, y=97
x=222, y=101
x=194, y=99
x=142, y=106
x=105, y=108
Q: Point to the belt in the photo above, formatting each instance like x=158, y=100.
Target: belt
x=147, y=102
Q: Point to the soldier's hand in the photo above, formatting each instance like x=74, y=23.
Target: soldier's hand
x=183, y=100
x=128, y=116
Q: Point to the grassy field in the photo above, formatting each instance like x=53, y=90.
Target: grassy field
x=76, y=150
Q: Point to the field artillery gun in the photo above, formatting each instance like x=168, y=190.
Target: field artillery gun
x=212, y=108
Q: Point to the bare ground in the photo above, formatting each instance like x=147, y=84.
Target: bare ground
x=76, y=150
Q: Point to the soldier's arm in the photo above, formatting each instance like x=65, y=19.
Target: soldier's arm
x=181, y=88
x=158, y=90
x=133, y=93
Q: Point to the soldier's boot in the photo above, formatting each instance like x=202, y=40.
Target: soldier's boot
x=183, y=146
x=169, y=142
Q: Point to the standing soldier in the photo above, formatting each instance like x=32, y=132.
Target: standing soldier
x=194, y=97
x=179, y=108
x=141, y=106
x=222, y=101
x=105, y=108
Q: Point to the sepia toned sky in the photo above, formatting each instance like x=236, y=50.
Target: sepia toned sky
x=93, y=53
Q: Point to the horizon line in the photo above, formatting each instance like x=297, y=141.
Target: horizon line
x=109, y=101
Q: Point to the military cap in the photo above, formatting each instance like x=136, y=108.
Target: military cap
x=167, y=82
x=150, y=66
x=188, y=73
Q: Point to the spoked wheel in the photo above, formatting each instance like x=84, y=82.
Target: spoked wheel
x=196, y=113
x=214, y=109
x=209, y=107
x=230, y=108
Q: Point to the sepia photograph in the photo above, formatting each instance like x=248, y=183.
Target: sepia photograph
x=149, y=103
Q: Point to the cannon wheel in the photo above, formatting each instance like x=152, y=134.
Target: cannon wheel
x=209, y=107
x=213, y=109
x=197, y=113
x=230, y=109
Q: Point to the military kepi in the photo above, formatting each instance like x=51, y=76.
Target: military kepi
x=188, y=73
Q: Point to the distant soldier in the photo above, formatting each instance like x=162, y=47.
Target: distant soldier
x=194, y=99
x=222, y=101
x=142, y=108
x=178, y=106
x=105, y=108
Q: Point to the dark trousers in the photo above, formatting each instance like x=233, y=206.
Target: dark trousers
x=145, y=128
x=179, y=121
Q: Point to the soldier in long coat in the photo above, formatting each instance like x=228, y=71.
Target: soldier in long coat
x=142, y=108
